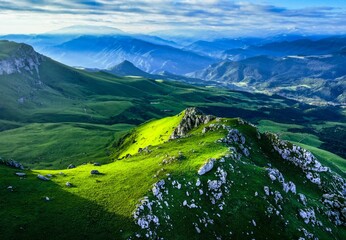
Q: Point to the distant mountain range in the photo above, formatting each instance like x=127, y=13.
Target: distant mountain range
x=284, y=48
x=301, y=67
x=104, y=48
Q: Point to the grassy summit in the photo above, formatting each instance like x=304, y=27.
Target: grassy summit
x=242, y=196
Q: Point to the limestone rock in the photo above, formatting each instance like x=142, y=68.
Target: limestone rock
x=43, y=178
x=24, y=58
x=193, y=118
x=12, y=163
x=20, y=174
x=207, y=167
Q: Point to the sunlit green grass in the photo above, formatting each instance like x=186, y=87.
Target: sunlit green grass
x=101, y=206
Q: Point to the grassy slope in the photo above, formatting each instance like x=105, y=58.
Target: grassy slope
x=101, y=206
x=152, y=133
x=115, y=193
x=59, y=144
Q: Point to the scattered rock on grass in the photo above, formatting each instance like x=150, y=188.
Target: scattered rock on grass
x=94, y=172
x=43, y=178
x=19, y=174
x=71, y=166
x=207, y=167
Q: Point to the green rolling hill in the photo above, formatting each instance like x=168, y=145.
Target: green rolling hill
x=217, y=178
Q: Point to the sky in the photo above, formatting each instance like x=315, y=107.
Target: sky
x=249, y=17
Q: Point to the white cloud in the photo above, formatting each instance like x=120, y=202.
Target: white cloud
x=147, y=15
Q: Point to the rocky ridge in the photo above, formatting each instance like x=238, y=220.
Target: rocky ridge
x=193, y=117
x=213, y=186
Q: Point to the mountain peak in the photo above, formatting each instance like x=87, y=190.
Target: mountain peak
x=127, y=68
x=193, y=117
x=126, y=63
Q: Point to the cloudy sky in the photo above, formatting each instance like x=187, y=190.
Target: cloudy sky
x=247, y=17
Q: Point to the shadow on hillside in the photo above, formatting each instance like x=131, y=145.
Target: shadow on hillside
x=25, y=214
x=285, y=115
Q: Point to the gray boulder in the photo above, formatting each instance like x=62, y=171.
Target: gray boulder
x=20, y=174
x=94, y=172
x=207, y=167
x=43, y=178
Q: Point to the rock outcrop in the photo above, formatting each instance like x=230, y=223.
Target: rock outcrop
x=12, y=163
x=193, y=118
x=23, y=58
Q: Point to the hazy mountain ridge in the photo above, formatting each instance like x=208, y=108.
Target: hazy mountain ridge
x=297, y=76
x=302, y=46
x=305, y=67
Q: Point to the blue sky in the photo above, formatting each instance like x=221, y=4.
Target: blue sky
x=249, y=17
